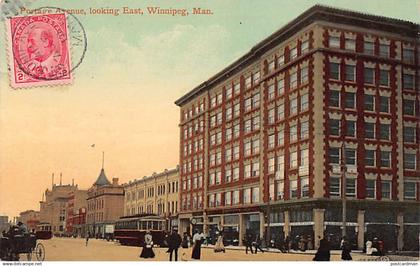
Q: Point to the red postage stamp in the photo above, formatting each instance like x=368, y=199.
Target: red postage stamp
x=39, y=50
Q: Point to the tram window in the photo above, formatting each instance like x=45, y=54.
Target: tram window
x=143, y=225
x=155, y=225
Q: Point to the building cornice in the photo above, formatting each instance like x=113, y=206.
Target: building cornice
x=313, y=14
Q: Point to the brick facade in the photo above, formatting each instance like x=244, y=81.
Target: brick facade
x=323, y=81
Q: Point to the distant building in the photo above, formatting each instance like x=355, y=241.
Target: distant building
x=4, y=223
x=105, y=204
x=30, y=218
x=76, y=213
x=53, y=209
x=155, y=194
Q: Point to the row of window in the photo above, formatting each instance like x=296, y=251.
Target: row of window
x=382, y=103
x=369, y=75
x=370, y=158
x=370, y=47
x=171, y=207
x=95, y=204
x=194, y=110
x=296, y=158
x=369, y=130
x=172, y=187
x=197, y=202
x=371, y=188
x=276, y=189
x=253, y=169
x=198, y=145
x=192, y=183
x=93, y=217
x=197, y=127
x=249, y=196
x=198, y=164
x=351, y=129
x=293, y=53
x=254, y=78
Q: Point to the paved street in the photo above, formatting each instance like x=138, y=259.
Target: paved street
x=70, y=249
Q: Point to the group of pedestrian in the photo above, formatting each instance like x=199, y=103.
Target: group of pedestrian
x=253, y=243
x=375, y=247
x=323, y=252
x=302, y=243
x=174, y=242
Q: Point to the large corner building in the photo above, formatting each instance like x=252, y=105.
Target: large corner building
x=268, y=141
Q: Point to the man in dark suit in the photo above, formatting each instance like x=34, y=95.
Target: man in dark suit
x=248, y=242
x=174, y=242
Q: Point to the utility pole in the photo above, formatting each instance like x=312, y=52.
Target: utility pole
x=268, y=236
x=103, y=159
x=343, y=188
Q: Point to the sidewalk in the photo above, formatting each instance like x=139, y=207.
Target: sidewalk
x=274, y=250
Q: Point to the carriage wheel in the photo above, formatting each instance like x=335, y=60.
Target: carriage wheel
x=384, y=258
x=40, y=252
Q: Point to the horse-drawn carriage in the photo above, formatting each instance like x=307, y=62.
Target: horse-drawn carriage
x=13, y=243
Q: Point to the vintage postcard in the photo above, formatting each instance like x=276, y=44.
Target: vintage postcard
x=209, y=130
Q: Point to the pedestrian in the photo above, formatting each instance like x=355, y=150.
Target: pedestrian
x=204, y=239
x=302, y=243
x=257, y=244
x=295, y=243
x=174, y=242
x=323, y=253
x=198, y=240
x=147, y=251
x=23, y=230
x=219, y=247
x=87, y=238
x=345, y=249
x=185, y=240
x=310, y=243
x=287, y=243
x=381, y=247
x=281, y=244
x=248, y=243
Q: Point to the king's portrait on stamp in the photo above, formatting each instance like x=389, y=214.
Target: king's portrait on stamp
x=39, y=50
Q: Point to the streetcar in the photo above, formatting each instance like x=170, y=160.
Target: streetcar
x=43, y=231
x=130, y=230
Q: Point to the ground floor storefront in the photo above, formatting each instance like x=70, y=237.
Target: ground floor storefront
x=79, y=230
x=100, y=230
x=395, y=223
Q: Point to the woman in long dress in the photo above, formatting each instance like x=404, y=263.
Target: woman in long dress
x=219, y=247
x=196, y=252
x=147, y=251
